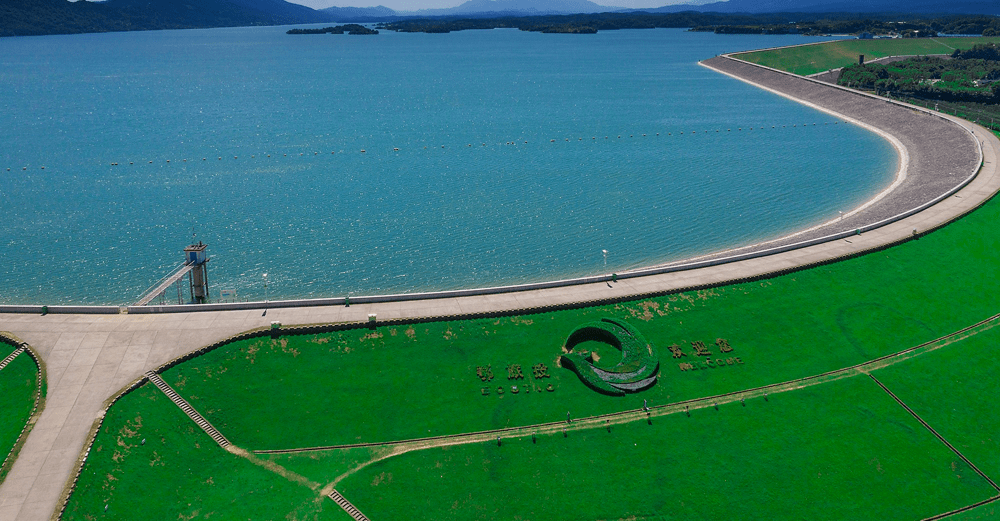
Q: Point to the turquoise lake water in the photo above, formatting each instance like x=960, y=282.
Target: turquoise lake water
x=436, y=214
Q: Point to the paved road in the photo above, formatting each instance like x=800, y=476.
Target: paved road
x=90, y=357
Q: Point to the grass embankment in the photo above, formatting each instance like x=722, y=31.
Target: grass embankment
x=805, y=454
x=18, y=386
x=417, y=381
x=955, y=389
x=810, y=59
x=790, y=326
x=150, y=461
x=795, y=454
x=987, y=511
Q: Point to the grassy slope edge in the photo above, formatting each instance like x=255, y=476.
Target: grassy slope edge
x=810, y=59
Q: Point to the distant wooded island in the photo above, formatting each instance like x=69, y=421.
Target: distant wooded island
x=339, y=29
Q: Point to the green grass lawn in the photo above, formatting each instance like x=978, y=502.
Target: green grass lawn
x=415, y=381
x=796, y=455
x=843, y=450
x=18, y=386
x=327, y=465
x=980, y=513
x=180, y=473
x=955, y=389
x=810, y=59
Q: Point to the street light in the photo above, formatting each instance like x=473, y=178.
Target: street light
x=265, y=287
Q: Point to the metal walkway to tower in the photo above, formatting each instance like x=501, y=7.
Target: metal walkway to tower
x=160, y=287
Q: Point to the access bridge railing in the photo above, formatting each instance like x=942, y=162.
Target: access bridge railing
x=160, y=287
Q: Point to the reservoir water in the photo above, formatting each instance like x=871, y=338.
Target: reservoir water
x=344, y=164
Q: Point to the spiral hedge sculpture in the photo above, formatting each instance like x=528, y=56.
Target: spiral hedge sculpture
x=638, y=367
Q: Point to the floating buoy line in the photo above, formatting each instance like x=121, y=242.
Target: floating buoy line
x=397, y=150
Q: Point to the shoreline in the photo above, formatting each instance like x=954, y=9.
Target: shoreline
x=902, y=163
x=859, y=219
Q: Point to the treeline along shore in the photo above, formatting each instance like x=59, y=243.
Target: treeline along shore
x=40, y=17
x=781, y=23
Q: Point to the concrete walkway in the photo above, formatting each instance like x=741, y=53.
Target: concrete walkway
x=90, y=357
